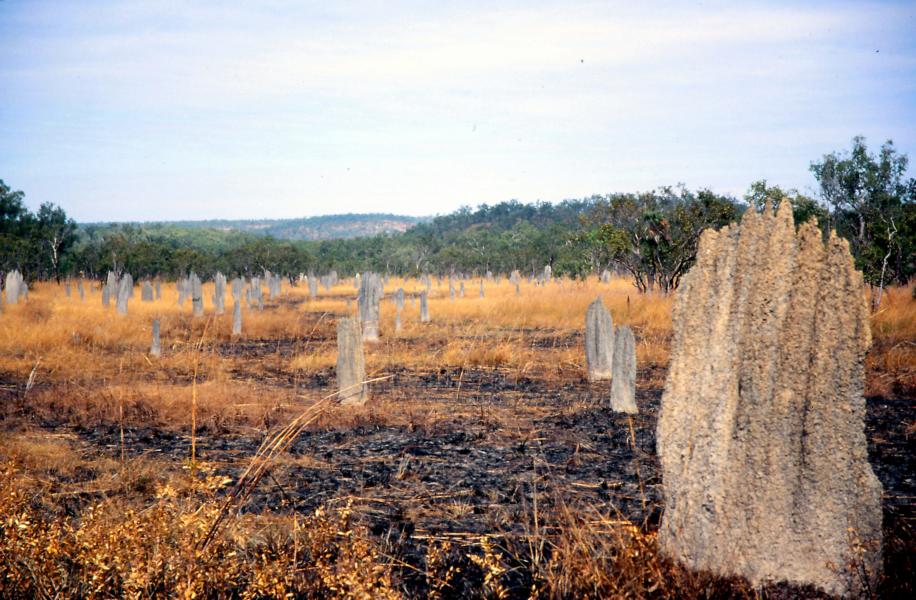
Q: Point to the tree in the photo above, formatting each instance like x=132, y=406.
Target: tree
x=655, y=235
x=13, y=212
x=20, y=246
x=57, y=234
x=803, y=207
x=872, y=205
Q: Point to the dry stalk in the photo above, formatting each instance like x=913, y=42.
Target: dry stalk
x=31, y=380
x=121, y=409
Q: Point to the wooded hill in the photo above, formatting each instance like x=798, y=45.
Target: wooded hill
x=325, y=227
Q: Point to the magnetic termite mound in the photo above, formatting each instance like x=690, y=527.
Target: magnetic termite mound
x=155, y=347
x=183, y=287
x=14, y=285
x=146, y=291
x=370, y=295
x=197, y=295
x=599, y=341
x=424, y=307
x=351, y=363
x=237, y=317
x=125, y=289
x=623, y=380
x=761, y=434
x=219, y=293
x=398, y=307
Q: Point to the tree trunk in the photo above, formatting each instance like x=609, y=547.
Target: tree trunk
x=876, y=303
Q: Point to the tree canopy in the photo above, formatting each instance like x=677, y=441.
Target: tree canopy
x=873, y=205
x=35, y=244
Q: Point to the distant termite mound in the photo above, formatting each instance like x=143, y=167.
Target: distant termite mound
x=370, y=296
x=761, y=435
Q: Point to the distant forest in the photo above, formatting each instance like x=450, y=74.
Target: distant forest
x=652, y=236
x=325, y=227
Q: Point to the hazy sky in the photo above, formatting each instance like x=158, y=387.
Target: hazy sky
x=142, y=110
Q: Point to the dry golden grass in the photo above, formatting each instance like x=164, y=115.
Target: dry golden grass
x=117, y=549
x=892, y=359
x=896, y=317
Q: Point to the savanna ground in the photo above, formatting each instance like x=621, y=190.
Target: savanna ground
x=485, y=465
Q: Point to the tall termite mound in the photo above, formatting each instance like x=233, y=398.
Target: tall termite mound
x=761, y=434
x=14, y=285
x=351, y=363
x=237, y=317
x=219, y=293
x=146, y=291
x=599, y=341
x=155, y=347
x=623, y=380
x=197, y=295
x=398, y=307
x=125, y=289
x=424, y=307
x=370, y=295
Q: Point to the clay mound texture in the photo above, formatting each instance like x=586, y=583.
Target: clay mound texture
x=761, y=436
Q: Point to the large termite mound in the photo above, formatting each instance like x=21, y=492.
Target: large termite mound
x=761, y=435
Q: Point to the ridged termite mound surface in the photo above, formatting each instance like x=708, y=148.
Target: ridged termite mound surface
x=761, y=431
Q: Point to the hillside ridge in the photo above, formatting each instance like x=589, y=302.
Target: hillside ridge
x=323, y=227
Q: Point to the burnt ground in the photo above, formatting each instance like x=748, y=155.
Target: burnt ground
x=478, y=473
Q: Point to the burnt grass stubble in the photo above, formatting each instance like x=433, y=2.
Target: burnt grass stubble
x=464, y=477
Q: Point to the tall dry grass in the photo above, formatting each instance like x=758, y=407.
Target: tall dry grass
x=892, y=359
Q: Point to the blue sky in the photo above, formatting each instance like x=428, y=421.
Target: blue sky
x=175, y=110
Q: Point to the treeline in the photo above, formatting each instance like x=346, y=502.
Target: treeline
x=652, y=236
x=499, y=238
